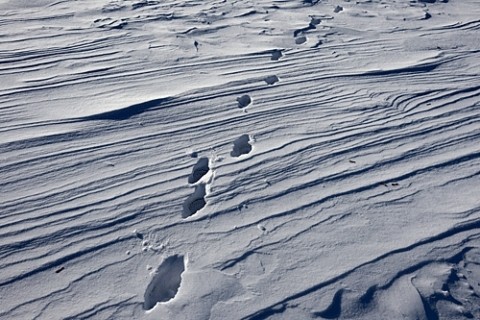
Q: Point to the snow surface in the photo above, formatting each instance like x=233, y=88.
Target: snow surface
x=237, y=159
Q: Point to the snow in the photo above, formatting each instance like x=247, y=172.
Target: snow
x=265, y=159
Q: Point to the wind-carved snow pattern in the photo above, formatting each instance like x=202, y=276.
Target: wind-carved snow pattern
x=122, y=141
x=165, y=281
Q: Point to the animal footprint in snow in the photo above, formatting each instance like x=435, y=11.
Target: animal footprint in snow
x=195, y=202
x=271, y=80
x=301, y=39
x=241, y=146
x=165, y=282
x=276, y=55
x=199, y=170
x=244, y=101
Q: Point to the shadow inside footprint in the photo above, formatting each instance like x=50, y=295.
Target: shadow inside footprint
x=200, y=169
x=241, y=146
x=165, y=282
x=276, y=55
x=244, y=101
x=271, y=80
x=334, y=310
x=300, y=39
x=195, y=202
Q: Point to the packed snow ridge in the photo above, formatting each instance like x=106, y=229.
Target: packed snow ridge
x=269, y=159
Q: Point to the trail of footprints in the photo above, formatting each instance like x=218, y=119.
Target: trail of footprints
x=166, y=279
x=199, y=177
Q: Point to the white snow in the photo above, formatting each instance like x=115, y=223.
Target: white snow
x=269, y=159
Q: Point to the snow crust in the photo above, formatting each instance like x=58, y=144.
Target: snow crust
x=269, y=159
